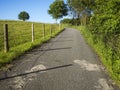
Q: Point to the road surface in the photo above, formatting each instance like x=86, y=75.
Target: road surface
x=64, y=63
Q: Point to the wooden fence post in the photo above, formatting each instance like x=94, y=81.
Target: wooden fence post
x=43, y=30
x=6, y=42
x=51, y=30
x=32, y=32
x=59, y=27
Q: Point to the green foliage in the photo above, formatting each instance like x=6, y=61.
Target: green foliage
x=105, y=23
x=58, y=9
x=20, y=38
x=71, y=21
x=77, y=5
x=81, y=9
x=105, y=30
x=80, y=5
x=66, y=21
x=23, y=16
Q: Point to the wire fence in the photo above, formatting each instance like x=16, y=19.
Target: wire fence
x=22, y=32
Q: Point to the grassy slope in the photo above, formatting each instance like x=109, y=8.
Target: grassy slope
x=20, y=38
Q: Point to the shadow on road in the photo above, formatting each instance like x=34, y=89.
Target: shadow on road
x=23, y=74
x=44, y=50
x=63, y=40
x=58, y=49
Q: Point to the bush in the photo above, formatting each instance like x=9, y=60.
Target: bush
x=105, y=30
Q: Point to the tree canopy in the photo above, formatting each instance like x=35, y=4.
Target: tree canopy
x=81, y=9
x=58, y=9
x=23, y=16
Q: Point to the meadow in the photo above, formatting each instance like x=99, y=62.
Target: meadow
x=20, y=38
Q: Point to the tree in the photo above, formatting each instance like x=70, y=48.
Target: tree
x=58, y=9
x=23, y=16
x=66, y=21
x=81, y=9
x=70, y=21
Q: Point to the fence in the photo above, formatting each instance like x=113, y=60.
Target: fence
x=14, y=34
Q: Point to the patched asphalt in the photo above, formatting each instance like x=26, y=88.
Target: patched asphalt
x=66, y=62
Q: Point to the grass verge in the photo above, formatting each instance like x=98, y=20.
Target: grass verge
x=105, y=54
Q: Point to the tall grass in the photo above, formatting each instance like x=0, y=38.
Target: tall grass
x=20, y=38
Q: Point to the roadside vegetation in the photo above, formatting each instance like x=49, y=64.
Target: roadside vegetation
x=109, y=55
x=20, y=38
x=99, y=22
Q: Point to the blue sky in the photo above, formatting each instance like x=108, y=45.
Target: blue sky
x=37, y=9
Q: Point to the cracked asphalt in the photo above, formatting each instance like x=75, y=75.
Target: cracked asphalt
x=66, y=62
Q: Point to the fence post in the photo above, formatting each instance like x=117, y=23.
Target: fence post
x=43, y=30
x=6, y=42
x=59, y=27
x=51, y=30
x=32, y=32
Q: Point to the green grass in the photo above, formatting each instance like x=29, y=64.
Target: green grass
x=105, y=53
x=20, y=38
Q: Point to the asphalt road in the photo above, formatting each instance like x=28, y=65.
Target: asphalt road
x=64, y=63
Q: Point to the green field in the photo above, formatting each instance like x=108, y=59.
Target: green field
x=20, y=38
